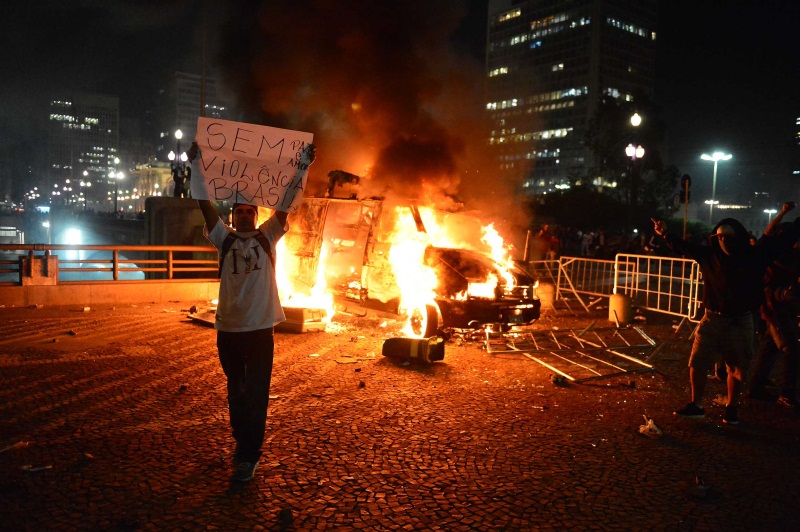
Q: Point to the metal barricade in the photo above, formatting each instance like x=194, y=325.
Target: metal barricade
x=585, y=277
x=667, y=285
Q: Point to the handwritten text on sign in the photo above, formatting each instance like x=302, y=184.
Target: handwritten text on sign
x=249, y=163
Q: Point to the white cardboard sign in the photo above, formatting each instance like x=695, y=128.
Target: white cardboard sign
x=249, y=163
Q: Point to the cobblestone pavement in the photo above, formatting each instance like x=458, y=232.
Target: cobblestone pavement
x=115, y=419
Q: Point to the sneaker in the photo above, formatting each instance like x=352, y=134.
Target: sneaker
x=692, y=411
x=730, y=417
x=245, y=471
x=787, y=402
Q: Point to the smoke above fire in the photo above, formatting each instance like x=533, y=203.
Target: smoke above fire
x=383, y=89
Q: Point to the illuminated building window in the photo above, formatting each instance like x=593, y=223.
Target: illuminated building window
x=498, y=72
x=631, y=28
x=547, y=21
x=615, y=93
x=508, y=15
x=557, y=67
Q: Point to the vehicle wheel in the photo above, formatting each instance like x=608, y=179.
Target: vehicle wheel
x=424, y=322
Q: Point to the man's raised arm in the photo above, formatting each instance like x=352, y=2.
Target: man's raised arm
x=210, y=213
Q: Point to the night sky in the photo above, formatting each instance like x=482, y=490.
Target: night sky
x=725, y=74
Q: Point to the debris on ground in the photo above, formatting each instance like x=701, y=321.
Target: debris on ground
x=699, y=488
x=15, y=446
x=650, y=429
x=35, y=469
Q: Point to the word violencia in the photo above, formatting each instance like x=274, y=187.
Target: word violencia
x=262, y=175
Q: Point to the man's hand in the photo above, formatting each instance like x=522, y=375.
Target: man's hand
x=788, y=206
x=309, y=154
x=191, y=154
x=659, y=227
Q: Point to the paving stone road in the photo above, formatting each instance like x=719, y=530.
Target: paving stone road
x=115, y=419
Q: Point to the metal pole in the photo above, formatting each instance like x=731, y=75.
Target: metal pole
x=713, y=192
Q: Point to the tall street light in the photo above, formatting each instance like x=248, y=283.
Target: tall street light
x=716, y=157
x=635, y=153
x=113, y=175
x=769, y=213
x=178, y=162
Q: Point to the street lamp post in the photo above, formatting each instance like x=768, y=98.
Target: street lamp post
x=716, y=157
x=635, y=153
x=115, y=176
x=178, y=165
x=769, y=213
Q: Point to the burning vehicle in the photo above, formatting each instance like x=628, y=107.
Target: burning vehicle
x=409, y=261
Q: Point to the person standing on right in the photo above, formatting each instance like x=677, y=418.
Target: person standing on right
x=733, y=279
x=779, y=312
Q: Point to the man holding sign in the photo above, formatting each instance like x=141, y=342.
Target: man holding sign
x=246, y=164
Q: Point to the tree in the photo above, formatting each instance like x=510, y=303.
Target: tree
x=609, y=131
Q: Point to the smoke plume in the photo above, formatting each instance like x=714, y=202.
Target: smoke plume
x=382, y=88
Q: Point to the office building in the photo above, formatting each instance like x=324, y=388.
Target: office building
x=82, y=150
x=179, y=107
x=548, y=63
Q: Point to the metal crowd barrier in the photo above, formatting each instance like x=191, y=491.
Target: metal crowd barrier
x=103, y=263
x=585, y=279
x=667, y=285
x=662, y=284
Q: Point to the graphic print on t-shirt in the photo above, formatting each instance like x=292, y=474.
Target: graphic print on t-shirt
x=246, y=258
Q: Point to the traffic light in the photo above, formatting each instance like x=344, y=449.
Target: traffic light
x=686, y=182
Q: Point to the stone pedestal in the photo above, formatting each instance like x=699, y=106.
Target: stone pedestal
x=38, y=270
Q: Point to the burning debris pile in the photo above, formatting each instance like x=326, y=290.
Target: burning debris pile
x=436, y=269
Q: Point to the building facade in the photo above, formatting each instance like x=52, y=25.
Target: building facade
x=548, y=64
x=187, y=97
x=82, y=150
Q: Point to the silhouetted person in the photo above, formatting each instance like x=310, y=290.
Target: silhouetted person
x=178, y=179
x=733, y=273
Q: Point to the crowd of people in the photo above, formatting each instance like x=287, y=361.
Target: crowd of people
x=750, y=300
x=549, y=243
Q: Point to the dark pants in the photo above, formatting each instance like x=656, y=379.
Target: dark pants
x=246, y=359
x=779, y=340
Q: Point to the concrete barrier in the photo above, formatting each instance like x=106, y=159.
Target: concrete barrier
x=117, y=292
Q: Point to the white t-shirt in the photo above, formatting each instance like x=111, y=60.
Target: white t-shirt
x=248, y=295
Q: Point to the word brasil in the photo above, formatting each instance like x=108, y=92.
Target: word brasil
x=261, y=175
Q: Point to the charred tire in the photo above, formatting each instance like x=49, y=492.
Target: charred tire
x=425, y=321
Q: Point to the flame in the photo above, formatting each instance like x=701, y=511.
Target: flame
x=318, y=297
x=339, y=267
x=499, y=253
x=416, y=281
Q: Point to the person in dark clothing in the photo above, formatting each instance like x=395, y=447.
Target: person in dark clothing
x=779, y=312
x=733, y=274
x=178, y=178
